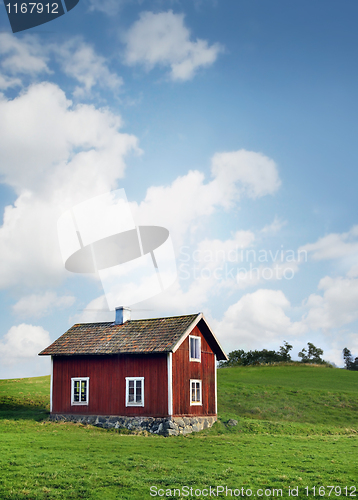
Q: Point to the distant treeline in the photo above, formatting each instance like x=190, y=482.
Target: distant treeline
x=310, y=355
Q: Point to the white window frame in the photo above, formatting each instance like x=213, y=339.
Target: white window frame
x=196, y=403
x=79, y=403
x=195, y=339
x=135, y=379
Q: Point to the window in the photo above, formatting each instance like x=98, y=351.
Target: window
x=195, y=392
x=134, y=391
x=79, y=391
x=194, y=348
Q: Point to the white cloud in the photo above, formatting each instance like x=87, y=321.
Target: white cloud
x=38, y=305
x=79, y=61
x=210, y=253
x=44, y=140
x=334, y=245
x=7, y=82
x=257, y=320
x=95, y=312
x=236, y=263
x=189, y=198
x=276, y=225
x=164, y=39
x=23, y=55
x=244, y=173
x=54, y=155
x=336, y=307
x=215, y=267
x=174, y=300
x=186, y=201
x=353, y=272
x=109, y=7
x=23, y=342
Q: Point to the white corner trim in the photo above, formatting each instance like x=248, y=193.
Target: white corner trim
x=51, y=383
x=170, y=382
x=216, y=385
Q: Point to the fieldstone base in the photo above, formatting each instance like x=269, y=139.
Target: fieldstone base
x=163, y=426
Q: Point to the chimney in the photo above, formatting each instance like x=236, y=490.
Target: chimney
x=123, y=314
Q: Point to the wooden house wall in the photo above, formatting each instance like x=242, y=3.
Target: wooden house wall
x=107, y=384
x=184, y=370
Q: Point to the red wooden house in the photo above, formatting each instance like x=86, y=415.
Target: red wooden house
x=150, y=373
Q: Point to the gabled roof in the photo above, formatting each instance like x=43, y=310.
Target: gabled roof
x=156, y=335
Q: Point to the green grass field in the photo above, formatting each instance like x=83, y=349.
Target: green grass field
x=297, y=428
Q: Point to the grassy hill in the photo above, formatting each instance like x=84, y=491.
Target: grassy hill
x=297, y=427
x=290, y=393
x=25, y=398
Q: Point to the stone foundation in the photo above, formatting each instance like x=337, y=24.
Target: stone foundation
x=164, y=426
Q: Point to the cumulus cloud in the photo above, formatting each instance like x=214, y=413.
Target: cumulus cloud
x=7, y=82
x=23, y=342
x=182, y=205
x=237, y=262
x=212, y=252
x=23, y=55
x=214, y=264
x=234, y=174
x=96, y=311
x=271, y=229
x=109, y=7
x=244, y=173
x=54, y=155
x=334, y=245
x=79, y=60
x=257, y=319
x=38, y=305
x=336, y=307
x=163, y=39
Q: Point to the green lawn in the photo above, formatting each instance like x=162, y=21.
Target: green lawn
x=293, y=393
x=297, y=427
x=25, y=398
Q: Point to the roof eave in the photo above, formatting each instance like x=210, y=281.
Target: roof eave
x=221, y=357
x=164, y=351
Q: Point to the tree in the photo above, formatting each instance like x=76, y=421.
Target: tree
x=350, y=364
x=235, y=358
x=313, y=355
x=285, y=351
x=240, y=357
x=348, y=358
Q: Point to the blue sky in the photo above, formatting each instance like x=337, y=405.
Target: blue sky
x=233, y=124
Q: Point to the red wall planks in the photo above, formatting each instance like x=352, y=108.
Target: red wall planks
x=107, y=384
x=184, y=370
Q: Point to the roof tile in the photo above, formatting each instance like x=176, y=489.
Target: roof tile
x=134, y=336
